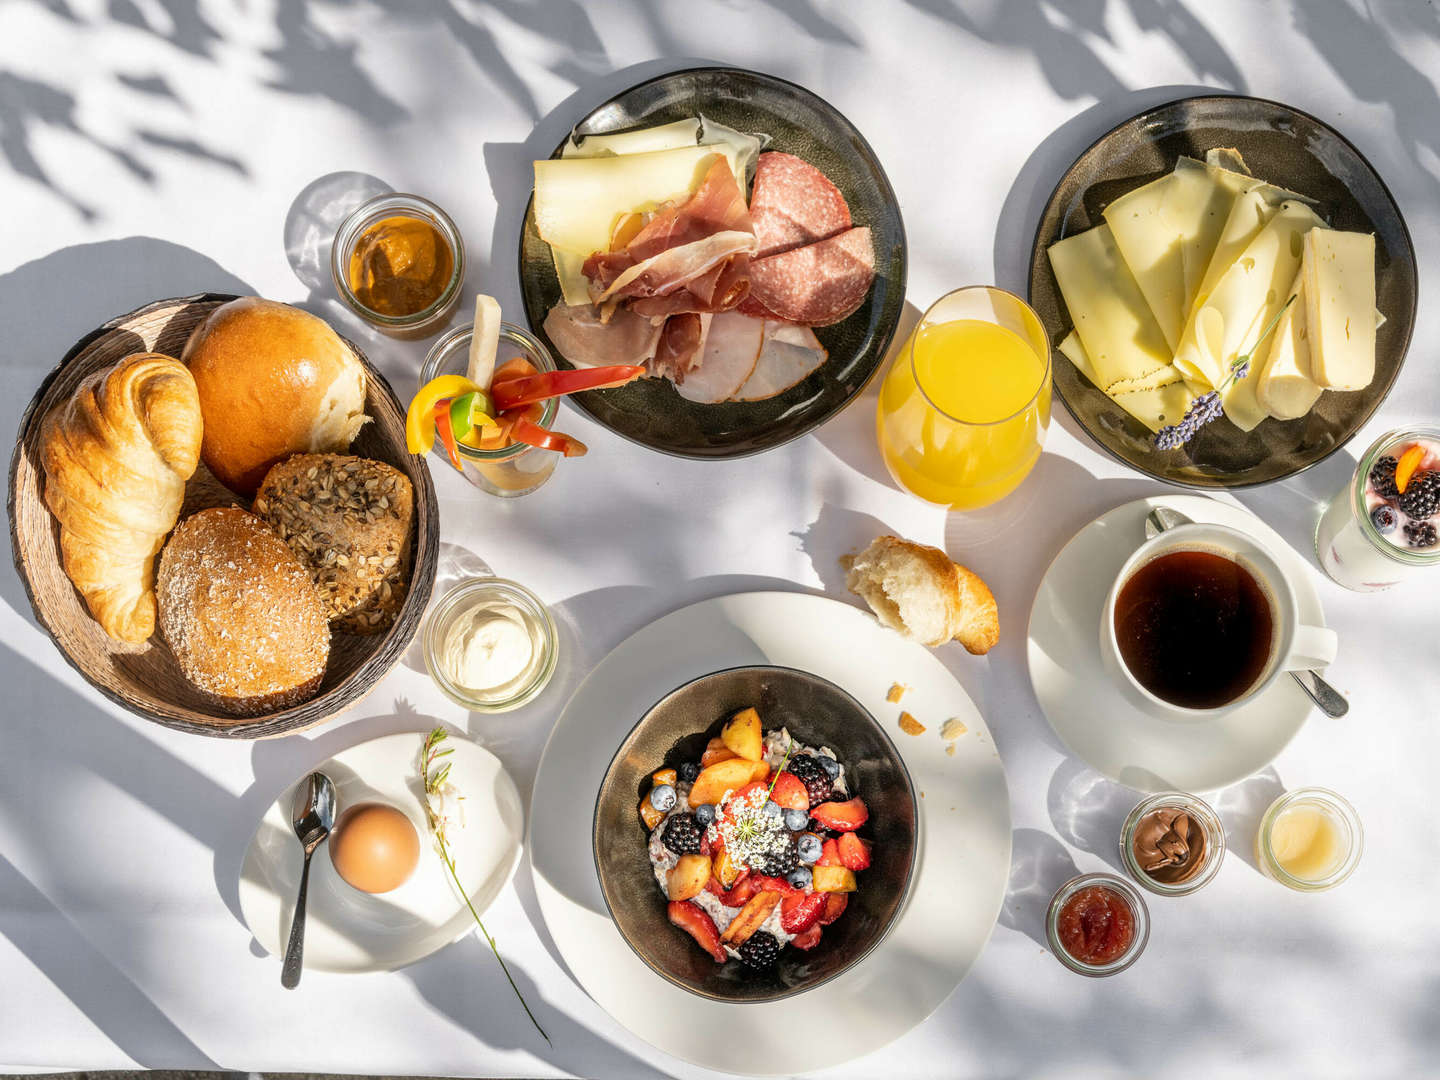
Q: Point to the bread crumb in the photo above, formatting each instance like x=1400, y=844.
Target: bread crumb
x=950, y=749
x=910, y=725
x=952, y=729
x=897, y=691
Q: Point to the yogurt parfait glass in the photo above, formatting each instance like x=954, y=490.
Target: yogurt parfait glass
x=518, y=469
x=1348, y=541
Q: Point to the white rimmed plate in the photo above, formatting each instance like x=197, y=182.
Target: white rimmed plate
x=350, y=931
x=963, y=847
x=1090, y=714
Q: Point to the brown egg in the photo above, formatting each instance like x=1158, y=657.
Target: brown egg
x=374, y=848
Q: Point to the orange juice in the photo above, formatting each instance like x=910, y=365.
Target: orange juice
x=964, y=409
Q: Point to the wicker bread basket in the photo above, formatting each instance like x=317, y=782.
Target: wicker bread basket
x=145, y=678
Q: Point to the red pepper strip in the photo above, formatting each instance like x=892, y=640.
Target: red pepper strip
x=532, y=434
x=515, y=366
x=446, y=434
x=510, y=392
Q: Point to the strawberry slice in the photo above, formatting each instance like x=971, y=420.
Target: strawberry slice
x=854, y=852
x=738, y=895
x=790, y=792
x=698, y=925
x=766, y=883
x=829, y=854
x=834, y=907
x=807, y=939
x=800, y=911
x=841, y=816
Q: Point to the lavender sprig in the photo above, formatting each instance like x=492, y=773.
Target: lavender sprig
x=1207, y=406
x=435, y=782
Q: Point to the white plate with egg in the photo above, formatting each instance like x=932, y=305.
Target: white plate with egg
x=347, y=930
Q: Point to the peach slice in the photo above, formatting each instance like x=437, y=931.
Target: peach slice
x=715, y=780
x=649, y=814
x=688, y=877
x=752, y=916
x=832, y=879
x=742, y=735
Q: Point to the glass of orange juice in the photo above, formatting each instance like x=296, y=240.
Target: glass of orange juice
x=965, y=406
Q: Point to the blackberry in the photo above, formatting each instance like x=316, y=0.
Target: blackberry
x=760, y=950
x=682, y=834
x=1382, y=477
x=1422, y=496
x=777, y=863
x=812, y=774
x=1421, y=534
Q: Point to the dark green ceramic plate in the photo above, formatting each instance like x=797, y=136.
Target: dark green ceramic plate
x=677, y=729
x=650, y=412
x=1286, y=147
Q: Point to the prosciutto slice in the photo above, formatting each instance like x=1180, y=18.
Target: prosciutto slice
x=582, y=338
x=689, y=246
x=682, y=340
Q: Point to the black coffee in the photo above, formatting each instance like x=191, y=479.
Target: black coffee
x=1195, y=628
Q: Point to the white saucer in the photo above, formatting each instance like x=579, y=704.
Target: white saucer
x=962, y=860
x=350, y=931
x=1095, y=720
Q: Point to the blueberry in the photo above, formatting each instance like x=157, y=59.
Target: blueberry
x=795, y=820
x=662, y=797
x=1383, y=516
x=800, y=877
x=808, y=848
x=830, y=765
x=689, y=771
x=705, y=815
x=772, y=808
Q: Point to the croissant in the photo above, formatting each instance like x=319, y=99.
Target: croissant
x=116, y=458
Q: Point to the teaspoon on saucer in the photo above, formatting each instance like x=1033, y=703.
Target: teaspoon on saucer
x=313, y=815
x=1330, y=700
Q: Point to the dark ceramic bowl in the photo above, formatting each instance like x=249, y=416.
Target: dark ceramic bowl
x=1286, y=147
x=675, y=730
x=798, y=122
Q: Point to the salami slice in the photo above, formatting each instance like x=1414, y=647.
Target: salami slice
x=793, y=204
x=818, y=284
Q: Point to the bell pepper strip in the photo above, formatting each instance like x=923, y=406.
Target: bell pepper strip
x=510, y=392
x=516, y=365
x=525, y=430
x=420, y=417
x=446, y=434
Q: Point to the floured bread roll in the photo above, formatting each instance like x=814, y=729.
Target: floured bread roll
x=919, y=592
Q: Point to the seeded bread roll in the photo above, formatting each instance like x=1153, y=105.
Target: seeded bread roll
x=919, y=592
x=348, y=520
x=241, y=614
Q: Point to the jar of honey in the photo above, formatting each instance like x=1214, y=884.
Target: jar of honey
x=398, y=262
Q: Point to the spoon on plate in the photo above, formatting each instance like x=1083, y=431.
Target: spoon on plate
x=1331, y=701
x=312, y=814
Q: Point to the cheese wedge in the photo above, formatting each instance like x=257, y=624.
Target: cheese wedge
x=1340, y=307
x=1110, y=315
x=578, y=199
x=1227, y=322
x=1159, y=399
x=674, y=136
x=1284, y=388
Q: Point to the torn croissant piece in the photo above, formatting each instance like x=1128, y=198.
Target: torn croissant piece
x=116, y=457
x=918, y=591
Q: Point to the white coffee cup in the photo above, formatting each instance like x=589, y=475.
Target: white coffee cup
x=1293, y=645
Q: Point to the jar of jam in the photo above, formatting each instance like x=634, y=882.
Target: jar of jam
x=398, y=262
x=1098, y=924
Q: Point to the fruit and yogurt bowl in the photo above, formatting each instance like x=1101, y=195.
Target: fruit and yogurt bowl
x=755, y=834
x=755, y=846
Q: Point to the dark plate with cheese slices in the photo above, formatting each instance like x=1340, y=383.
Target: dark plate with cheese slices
x=1282, y=146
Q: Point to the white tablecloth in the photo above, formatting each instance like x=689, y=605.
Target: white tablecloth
x=149, y=149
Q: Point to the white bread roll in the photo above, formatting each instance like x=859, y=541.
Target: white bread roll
x=273, y=381
x=917, y=591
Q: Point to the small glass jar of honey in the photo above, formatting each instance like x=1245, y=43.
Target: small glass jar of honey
x=398, y=262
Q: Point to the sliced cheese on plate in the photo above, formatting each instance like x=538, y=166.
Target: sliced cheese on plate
x=1115, y=324
x=1283, y=387
x=1159, y=399
x=674, y=136
x=1340, y=307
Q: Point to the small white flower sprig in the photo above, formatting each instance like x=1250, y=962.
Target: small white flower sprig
x=442, y=800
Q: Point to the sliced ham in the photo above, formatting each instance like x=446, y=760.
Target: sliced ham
x=580, y=336
x=681, y=340
x=674, y=268
x=792, y=204
x=732, y=347
x=720, y=289
x=787, y=356
x=818, y=284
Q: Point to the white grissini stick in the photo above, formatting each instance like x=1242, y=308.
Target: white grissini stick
x=485, y=341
